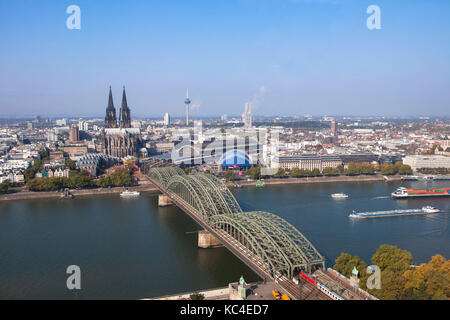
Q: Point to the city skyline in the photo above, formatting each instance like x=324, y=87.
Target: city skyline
x=225, y=150
x=300, y=57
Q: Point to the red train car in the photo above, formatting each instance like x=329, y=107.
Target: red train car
x=304, y=276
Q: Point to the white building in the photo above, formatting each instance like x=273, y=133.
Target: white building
x=166, y=119
x=418, y=161
x=61, y=122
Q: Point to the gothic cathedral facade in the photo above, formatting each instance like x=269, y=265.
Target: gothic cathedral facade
x=118, y=138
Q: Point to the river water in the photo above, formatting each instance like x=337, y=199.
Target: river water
x=131, y=248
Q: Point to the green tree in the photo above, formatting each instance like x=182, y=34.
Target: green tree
x=70, y=164
x=388, y=257
x=393, y=263
x=44, y=154
x=367, y=168
x=405, y=170
x=388, y=169
x=4, y=187
x=197, y=296
x=295, y=172
x=353, y=169
x=253, y=172
x=280, y=173
x=345, y=264
x=328, y=171
x=119, y=178
x=31, y=172
x=80, y=179
x=230, y=175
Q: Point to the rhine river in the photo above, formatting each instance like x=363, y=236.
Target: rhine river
x=130, y=248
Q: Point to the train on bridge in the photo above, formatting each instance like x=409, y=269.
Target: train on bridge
x=322, y=287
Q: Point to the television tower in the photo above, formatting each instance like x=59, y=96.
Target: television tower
x=187, y=102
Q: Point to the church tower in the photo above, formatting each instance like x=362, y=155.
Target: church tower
x=110, y=118
x=125, y=117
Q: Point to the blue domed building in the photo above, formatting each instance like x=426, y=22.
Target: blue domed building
x=235, y=158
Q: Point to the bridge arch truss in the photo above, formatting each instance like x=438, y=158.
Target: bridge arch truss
x=271, y=240
x=264, y=235
x=204, y=193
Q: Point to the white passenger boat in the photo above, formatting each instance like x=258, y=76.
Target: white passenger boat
x=339, y=195
x=128, y=193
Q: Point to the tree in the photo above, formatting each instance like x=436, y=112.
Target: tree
x=230, y=175
x=31, y=172
x=393, y=263
x=295, y=172
x=399, y=280
x=254, y=172
x=353, y=169
x=367, y=168
x=388, y=257
x=430, y=281
x=119, y=178
x=80, y=179
x=398, y=165
x=345, y=264
x=388, y=169
x=197, y=296
x=281, y=173
x=328, y=171
x=4, y=186
x=70, y=164
x=44, y=154
x=405, y=170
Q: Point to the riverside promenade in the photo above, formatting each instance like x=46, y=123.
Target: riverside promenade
x=146, y=186
x=289, y=180
x=28, y=195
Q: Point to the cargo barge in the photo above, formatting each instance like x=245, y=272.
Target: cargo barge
x=404, y=193
x=394, y=213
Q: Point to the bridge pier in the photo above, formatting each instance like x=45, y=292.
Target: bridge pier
x=164, y=201
x=207, y=240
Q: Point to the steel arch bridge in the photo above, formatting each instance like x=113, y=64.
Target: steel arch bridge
x=277, y=246
x=163, y=174
x=280, y=246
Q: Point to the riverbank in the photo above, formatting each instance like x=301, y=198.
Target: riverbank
x=27, y=195
x=146, y=186
x=275, y=181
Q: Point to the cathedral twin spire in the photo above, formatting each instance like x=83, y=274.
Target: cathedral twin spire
x=124, y=113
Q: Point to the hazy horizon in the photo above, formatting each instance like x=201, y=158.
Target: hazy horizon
x=288, y=57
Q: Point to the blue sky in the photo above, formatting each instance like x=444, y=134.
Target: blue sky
x=290, y=57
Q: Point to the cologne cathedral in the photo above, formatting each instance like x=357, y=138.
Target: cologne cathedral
x=119, y=139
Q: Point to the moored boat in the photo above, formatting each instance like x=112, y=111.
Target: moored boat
x=410, y=178
x=128, y=193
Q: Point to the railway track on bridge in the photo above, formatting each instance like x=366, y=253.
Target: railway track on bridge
x=234, y=236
